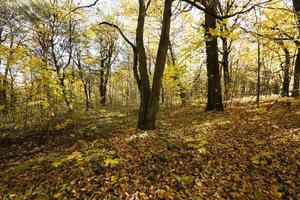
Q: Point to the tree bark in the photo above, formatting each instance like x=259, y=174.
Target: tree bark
x=84, y=82
x=142, y=67
x=296, y=92
x=159, y=66
x=3, y=94
x=225, y=62
x=104, y=75
x=258, y=73
x=149, y=97
x=65, y=93
x=296, y=89
x=214, y=93
x=286, y=73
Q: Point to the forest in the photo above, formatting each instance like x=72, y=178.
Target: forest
x=150, y=99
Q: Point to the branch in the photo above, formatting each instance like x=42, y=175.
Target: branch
x=121, y=32
x=86, y=6
x=148, y=4
x=80, y=7
x=202, y=8
x=276, y=39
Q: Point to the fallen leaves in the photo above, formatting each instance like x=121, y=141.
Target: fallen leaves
x=252, y=154
x=111, y=162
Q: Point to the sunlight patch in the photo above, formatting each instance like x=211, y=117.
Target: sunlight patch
x=139, y=135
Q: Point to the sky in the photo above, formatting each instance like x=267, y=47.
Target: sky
x=104, y=5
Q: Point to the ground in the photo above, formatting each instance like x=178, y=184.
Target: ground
x=242, y=153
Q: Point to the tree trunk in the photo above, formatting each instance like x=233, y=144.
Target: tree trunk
x=214, y=93
x=142, y=67
x=150, y=98
x=286, y=73
x=103, y=87
x=13, y=97
x=225, y=62
x=296, y=91
x=65, y=94
x=3, y=93
x=176, y=77
x=258, y=73
x=162, y=94
x=85, y=88
x=159, y=66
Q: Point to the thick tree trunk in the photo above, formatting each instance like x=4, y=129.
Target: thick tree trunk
x=214, y=93
x=149, y=104
x=104, y=75
x=286, y=73
x=296, y=90
x=142, y=67
x=161, y=57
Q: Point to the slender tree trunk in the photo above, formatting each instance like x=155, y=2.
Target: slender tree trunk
x=86, y=93
x=162, y=94
x=225, y=62
x=296, y=90
x=3, y=92
x=87, y=98
x=104, y=75
x=102, y=89
x=85, y=86
x=89, y=91
x=286, y=73
x=3, y=95
x=65, y=94
x=13, y=96
x=258, y=73
x=176, y=77
x=214, y=93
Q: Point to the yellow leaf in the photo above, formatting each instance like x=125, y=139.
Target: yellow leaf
x=113, y=179
x=58, y=195
x=111, y=162
x=75, y=154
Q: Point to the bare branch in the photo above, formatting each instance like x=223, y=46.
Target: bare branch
x=120, y=31
x=202, y=8
x=86, y=6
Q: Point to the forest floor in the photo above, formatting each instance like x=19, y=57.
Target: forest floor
x=243, y=153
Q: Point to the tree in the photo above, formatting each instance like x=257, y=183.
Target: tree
x=214, y=93
x=107, y=48
x=296, y=90
x=5, y=18
x=149, y=96
x=54, y=32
